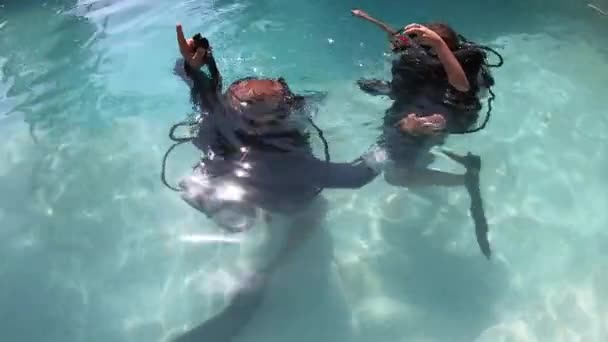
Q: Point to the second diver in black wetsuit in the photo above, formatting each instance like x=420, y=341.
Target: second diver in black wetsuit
x=258, y=163
x=438, y=77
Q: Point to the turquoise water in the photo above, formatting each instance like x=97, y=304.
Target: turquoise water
x=94, y=248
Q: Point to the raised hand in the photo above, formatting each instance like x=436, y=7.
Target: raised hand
x=428, y=125
x=424, y=35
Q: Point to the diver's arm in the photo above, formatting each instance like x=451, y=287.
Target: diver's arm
x=195, y=60
x=456, y=75
x=384, y=26
x=353, y=175
x=182, y=43
x=216, y=77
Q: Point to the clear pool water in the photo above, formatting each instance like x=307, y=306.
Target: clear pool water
x=94, y=248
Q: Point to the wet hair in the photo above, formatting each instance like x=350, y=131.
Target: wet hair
x=447, y=33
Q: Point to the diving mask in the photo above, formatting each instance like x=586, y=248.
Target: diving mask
x=262, y=103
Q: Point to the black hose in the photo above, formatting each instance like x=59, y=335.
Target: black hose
x=178, y=141
x=163, y=176
x=325, y=149
x=322, y=137
x=492, y=95
x=486, y=48
x=485, y=121
x=501, y=60
x=177, y=125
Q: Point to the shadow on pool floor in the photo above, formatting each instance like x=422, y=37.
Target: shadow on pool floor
x=452, y=296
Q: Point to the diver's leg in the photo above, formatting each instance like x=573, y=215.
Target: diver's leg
x=472, y=164
x=408, y=174
x=242, y=308
x=229, y=323
x=300, y=229
x=413, y=177
x=424, y=177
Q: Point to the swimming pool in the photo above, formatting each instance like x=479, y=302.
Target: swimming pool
x=94, y=248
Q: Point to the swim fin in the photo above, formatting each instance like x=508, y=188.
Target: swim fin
x=225, y=326
x=472, y=163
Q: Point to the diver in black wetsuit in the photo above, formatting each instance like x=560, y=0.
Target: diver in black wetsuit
x=255, y=136
x=258, y=162
x=267, y=151
x=437, y=80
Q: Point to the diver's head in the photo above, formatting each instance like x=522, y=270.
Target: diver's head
x=262, y=104
x=403, y=41
x=447, y=33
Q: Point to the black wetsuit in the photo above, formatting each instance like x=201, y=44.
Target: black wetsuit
x=276, y=178
x=420, y=80
x=420, y=85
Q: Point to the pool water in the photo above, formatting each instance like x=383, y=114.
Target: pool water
x=94, y=248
